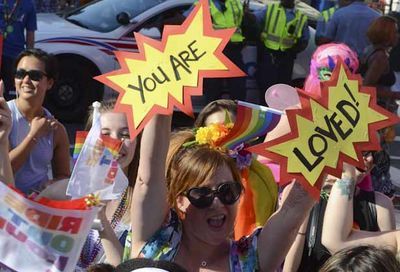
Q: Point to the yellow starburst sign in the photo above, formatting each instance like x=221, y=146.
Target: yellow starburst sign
x=167, y=73
x=328, y=131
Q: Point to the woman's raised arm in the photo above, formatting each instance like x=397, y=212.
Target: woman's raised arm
x=6, y=173
x=337, y=232
x=149, y=203
x=281, y=229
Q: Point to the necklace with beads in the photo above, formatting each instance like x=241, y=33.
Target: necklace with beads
x=9, y=17
x=93, y=246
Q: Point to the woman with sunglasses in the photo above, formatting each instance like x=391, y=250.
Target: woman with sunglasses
x=36, y=138
x=260, y=198
x=189, y=217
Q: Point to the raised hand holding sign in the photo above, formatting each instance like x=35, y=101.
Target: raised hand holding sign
x=328, y=131
x=167, y=73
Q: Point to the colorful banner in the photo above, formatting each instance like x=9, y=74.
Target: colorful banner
x=35, y=237
x=165, y=74
x=328, y=131
x=96, y=169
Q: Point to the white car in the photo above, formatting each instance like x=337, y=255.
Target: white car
x=84, y=41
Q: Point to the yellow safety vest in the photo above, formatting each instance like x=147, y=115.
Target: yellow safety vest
x=327, y=14
x=231, y=17
x=275, y=34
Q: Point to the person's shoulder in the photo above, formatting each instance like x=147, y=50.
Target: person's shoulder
x=380, y=57
x=382, y=200
x=60, y=134
x=28, y=2
x=342, y=13
x=343, y=10
x=372, y=12
x=12, y=106
x=247, y=244
x=29, y=5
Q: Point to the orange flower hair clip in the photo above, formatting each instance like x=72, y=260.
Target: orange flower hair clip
x=210, y=135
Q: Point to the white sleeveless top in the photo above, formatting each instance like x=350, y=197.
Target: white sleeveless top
x=33, y=173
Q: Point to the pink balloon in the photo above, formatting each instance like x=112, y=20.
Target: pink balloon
x=281, y=96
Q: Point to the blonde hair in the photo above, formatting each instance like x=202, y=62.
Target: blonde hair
x=108, y=106
x=191, y=166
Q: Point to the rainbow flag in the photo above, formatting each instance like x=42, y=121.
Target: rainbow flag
x=111, y=144
x=80, y=137
x=252, y=121
x=96, y=169
x=258, y=201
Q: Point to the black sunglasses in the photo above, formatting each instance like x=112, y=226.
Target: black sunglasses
x=34, y=75
x=202, y=197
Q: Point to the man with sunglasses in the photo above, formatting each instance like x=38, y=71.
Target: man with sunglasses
x=17, y=26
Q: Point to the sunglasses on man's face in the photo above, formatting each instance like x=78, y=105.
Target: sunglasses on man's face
x=202, y=197
x=34, y=75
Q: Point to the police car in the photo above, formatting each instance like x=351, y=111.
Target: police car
x=84, y=41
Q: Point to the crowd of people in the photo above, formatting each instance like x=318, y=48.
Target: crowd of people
x=184, y=208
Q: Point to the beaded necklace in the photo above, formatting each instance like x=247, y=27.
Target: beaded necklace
x=9, y=17
x=92, y=247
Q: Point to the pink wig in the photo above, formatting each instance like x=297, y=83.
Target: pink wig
x=324, y=61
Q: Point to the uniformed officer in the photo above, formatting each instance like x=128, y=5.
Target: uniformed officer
x=284, y=34
x=228, y=14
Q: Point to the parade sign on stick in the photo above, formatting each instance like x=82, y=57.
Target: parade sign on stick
x=37, y=237
x=328, y=131
x=167, y=73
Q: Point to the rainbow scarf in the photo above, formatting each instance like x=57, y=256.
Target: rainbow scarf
x=252, y=121
x=260, y=196
x=259, y=200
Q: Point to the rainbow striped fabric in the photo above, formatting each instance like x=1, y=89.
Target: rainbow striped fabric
x=252, y=121
x=80, y=137
x=112, y=145
x=261, y=191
